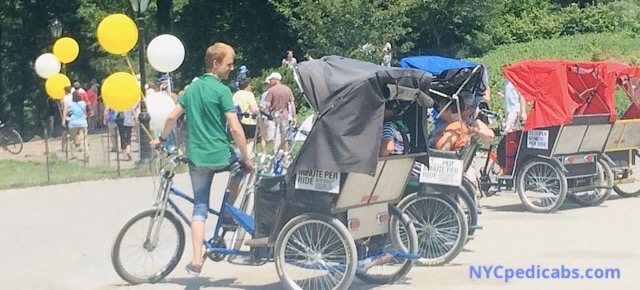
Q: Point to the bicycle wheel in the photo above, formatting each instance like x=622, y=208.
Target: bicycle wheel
x=12, y=141
x=132, y=242
x=441, y=226
x=319, y=249
x=541, y=186
x=402, y=237
x=597, y=196
x=469, y=206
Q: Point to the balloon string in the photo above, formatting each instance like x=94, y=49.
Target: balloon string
x=133, y=72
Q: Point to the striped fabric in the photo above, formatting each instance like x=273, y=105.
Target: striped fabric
x=389, y=132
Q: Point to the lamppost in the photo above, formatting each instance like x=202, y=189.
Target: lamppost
x=56, y=32
x=140, y=6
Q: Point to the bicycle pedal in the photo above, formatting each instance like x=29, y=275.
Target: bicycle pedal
x=475, y=227
x=229, y=228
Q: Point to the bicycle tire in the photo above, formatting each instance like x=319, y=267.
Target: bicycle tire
x=471, y=206
x=403, y=236
x=18, y=141
x=163, y=271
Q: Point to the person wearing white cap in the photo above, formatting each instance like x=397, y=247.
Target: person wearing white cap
x=266, y=127
x=279, y=101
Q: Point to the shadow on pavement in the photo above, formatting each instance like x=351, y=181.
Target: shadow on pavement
x=197, y=283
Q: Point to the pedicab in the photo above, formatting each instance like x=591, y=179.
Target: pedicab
x=558, y=153
x=331, y=217
x=623, y=143
x=455, y=76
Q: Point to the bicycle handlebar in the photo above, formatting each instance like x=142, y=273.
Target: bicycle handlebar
x=175, y=157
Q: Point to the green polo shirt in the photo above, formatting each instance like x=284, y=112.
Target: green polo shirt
x=205, y=102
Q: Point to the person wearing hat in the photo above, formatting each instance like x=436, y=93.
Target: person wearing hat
x=266, y=127
x=241, y=76
x=278, y=102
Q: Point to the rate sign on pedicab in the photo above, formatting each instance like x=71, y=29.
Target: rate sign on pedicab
x=442, y=171
x=318, y=180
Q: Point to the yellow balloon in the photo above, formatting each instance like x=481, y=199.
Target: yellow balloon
x=66, y=49
x=121, y=91
x=55, y=86
x=117, y=34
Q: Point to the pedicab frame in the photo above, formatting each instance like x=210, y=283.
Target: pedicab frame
x=456, y=80
x=623, y=143
x=337, y=180
x=565, y=132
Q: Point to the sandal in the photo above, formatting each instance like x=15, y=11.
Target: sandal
x=193, y=269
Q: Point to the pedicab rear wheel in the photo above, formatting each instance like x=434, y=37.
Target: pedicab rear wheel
x=546, y=178
x=316, y=242
x=596, y=196
x=402, y=237
x=441, y=226
x=621, y=190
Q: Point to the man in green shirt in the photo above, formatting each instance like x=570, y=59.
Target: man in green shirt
x=209, y=107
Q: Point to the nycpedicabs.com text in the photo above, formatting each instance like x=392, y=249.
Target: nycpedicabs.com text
x=537, y=272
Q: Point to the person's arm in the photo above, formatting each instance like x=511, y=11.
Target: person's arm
x=386, y=147
x=239, y=138
x=105, y=115
x=292, y=101
x=487, y=95
x=267, y=102
x=523, y=108
x=253, y=105
x=483, y=131
x=447, y=140
x=169, y=124
x=65, y=112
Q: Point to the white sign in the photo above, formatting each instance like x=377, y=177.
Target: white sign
x=442, y=171
x=538, y=139
x=318, y=180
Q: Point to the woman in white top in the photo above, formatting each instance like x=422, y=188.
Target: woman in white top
x=289, y=60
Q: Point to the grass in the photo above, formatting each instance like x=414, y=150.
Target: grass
x=16, y=174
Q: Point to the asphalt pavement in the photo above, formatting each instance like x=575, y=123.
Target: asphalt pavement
x=60, y=237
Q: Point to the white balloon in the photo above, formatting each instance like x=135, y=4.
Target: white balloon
x=165, y=53
x=47, y=65
x=159, y=105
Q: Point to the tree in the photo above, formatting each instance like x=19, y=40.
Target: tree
x=452, y=27
x=349, y=27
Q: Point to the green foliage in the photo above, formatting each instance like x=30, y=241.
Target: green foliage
x=262, y=30
x=352, y=28
x=585, y=47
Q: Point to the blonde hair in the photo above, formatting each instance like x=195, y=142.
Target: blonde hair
x=216, y=52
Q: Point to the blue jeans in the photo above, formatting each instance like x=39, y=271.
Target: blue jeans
x=201, y=180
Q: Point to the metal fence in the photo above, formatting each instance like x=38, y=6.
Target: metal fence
x=52, y=159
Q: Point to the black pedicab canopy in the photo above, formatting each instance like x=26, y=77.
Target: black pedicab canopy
x=349, y=97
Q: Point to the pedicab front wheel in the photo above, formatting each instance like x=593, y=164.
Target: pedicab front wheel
x=151, y=239
x=541, y=186
x=319, y=250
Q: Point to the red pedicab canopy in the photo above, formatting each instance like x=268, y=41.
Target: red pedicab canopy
x=629, y=80
x=560, y=89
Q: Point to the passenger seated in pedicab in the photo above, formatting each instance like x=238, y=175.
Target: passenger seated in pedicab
x=456, y=134
x=394, y=134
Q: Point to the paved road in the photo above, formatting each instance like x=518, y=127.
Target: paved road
x=60, y=237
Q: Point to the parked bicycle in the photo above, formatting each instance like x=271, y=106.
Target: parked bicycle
x=10, y=139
